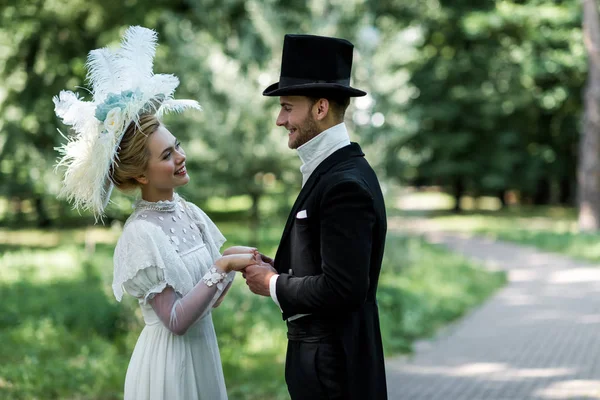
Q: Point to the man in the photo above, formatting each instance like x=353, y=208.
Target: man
x=325, y=273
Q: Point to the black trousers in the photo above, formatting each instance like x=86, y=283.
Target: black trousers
x=316, y=370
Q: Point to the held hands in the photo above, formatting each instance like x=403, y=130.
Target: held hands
x=267, y=259
x=258, y=275
x=256, y=267
x=235, y=262
x=236, y=258
x=240, y=250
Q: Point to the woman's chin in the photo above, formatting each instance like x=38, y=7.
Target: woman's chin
x=184, y=180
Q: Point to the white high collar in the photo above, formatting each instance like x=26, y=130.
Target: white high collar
x=313, y=152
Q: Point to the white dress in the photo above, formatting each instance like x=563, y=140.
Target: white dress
x=174, y=244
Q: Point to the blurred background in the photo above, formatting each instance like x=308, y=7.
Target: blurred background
x=475, y=121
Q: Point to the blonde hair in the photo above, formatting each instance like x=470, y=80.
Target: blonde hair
x=133, y=153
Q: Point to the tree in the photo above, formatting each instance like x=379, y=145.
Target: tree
x=589, y=162
x=489, y=99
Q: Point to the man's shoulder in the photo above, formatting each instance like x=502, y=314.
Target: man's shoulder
x=354, y=168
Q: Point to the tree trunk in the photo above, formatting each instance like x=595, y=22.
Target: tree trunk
x=589, y=147
x=565, y=197
x=458, y=189
x=542, y=192
x=501, y=195
x=42, y=216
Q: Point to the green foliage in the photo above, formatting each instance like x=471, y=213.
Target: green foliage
x=64, y=335
x=491, y=98
x=483, y=97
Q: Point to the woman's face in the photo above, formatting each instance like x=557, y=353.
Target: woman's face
x=166, y=166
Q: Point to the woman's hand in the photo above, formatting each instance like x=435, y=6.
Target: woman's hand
x=239, y=250
x=235, y=262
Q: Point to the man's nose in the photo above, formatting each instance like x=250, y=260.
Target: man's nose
x=280, y=120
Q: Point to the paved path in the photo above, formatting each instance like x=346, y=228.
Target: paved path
x=537, y=338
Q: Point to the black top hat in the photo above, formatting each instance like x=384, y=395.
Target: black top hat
x=314, y=65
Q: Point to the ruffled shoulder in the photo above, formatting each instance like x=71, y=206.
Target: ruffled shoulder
x=212, y=235
x=143, y=245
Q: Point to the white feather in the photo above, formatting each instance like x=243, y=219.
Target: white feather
x=177, y=106
x=103, y=74
x=88, y=155
x=73, y=111
x=164, y=84
x=136, y=55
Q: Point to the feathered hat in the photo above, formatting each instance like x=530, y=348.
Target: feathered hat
x=123, y=86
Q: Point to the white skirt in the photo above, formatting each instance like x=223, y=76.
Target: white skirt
x=165, y=366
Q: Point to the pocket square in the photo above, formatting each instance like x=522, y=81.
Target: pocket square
x=302, y=214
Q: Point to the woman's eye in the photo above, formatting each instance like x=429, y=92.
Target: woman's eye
x=167, y=156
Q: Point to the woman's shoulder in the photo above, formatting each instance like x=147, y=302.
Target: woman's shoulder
x=138, y=230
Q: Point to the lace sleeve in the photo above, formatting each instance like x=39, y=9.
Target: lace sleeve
x=178, y=312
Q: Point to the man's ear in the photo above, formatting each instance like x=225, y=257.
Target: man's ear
x=321, y=109
x=142, y=179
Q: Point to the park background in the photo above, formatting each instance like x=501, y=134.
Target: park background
x=481, y=117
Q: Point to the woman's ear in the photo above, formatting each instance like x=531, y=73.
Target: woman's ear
x=142, y=179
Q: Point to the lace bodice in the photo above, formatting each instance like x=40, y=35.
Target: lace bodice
x=162, y=235
x=175, y=223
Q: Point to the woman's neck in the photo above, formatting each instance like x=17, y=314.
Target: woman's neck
x=157, y=195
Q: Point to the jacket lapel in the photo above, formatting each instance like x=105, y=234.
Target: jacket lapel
x=353, y=150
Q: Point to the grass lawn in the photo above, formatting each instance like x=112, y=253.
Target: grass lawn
x=552, y=229
x=64, y=336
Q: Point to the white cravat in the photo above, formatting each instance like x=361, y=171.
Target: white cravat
x=313, y=153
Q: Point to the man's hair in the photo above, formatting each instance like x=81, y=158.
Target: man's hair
x=337, y=104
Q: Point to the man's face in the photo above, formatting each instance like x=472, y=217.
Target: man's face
x=297, y=117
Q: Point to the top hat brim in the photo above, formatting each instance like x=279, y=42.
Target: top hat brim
x=313, y=89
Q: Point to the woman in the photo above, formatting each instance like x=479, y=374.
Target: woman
x=168, y=254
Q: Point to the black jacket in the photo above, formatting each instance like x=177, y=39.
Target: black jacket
x=334, y=255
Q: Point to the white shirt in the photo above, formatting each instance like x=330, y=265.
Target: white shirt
x=313, y=153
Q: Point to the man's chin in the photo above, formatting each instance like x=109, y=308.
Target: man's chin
x=293, y=144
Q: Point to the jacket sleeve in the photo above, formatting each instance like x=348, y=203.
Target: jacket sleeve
x=347, y=219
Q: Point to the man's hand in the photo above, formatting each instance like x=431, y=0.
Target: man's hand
x=267, y=259
x=258, y=277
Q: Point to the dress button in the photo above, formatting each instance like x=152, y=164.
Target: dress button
x=172, y=230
